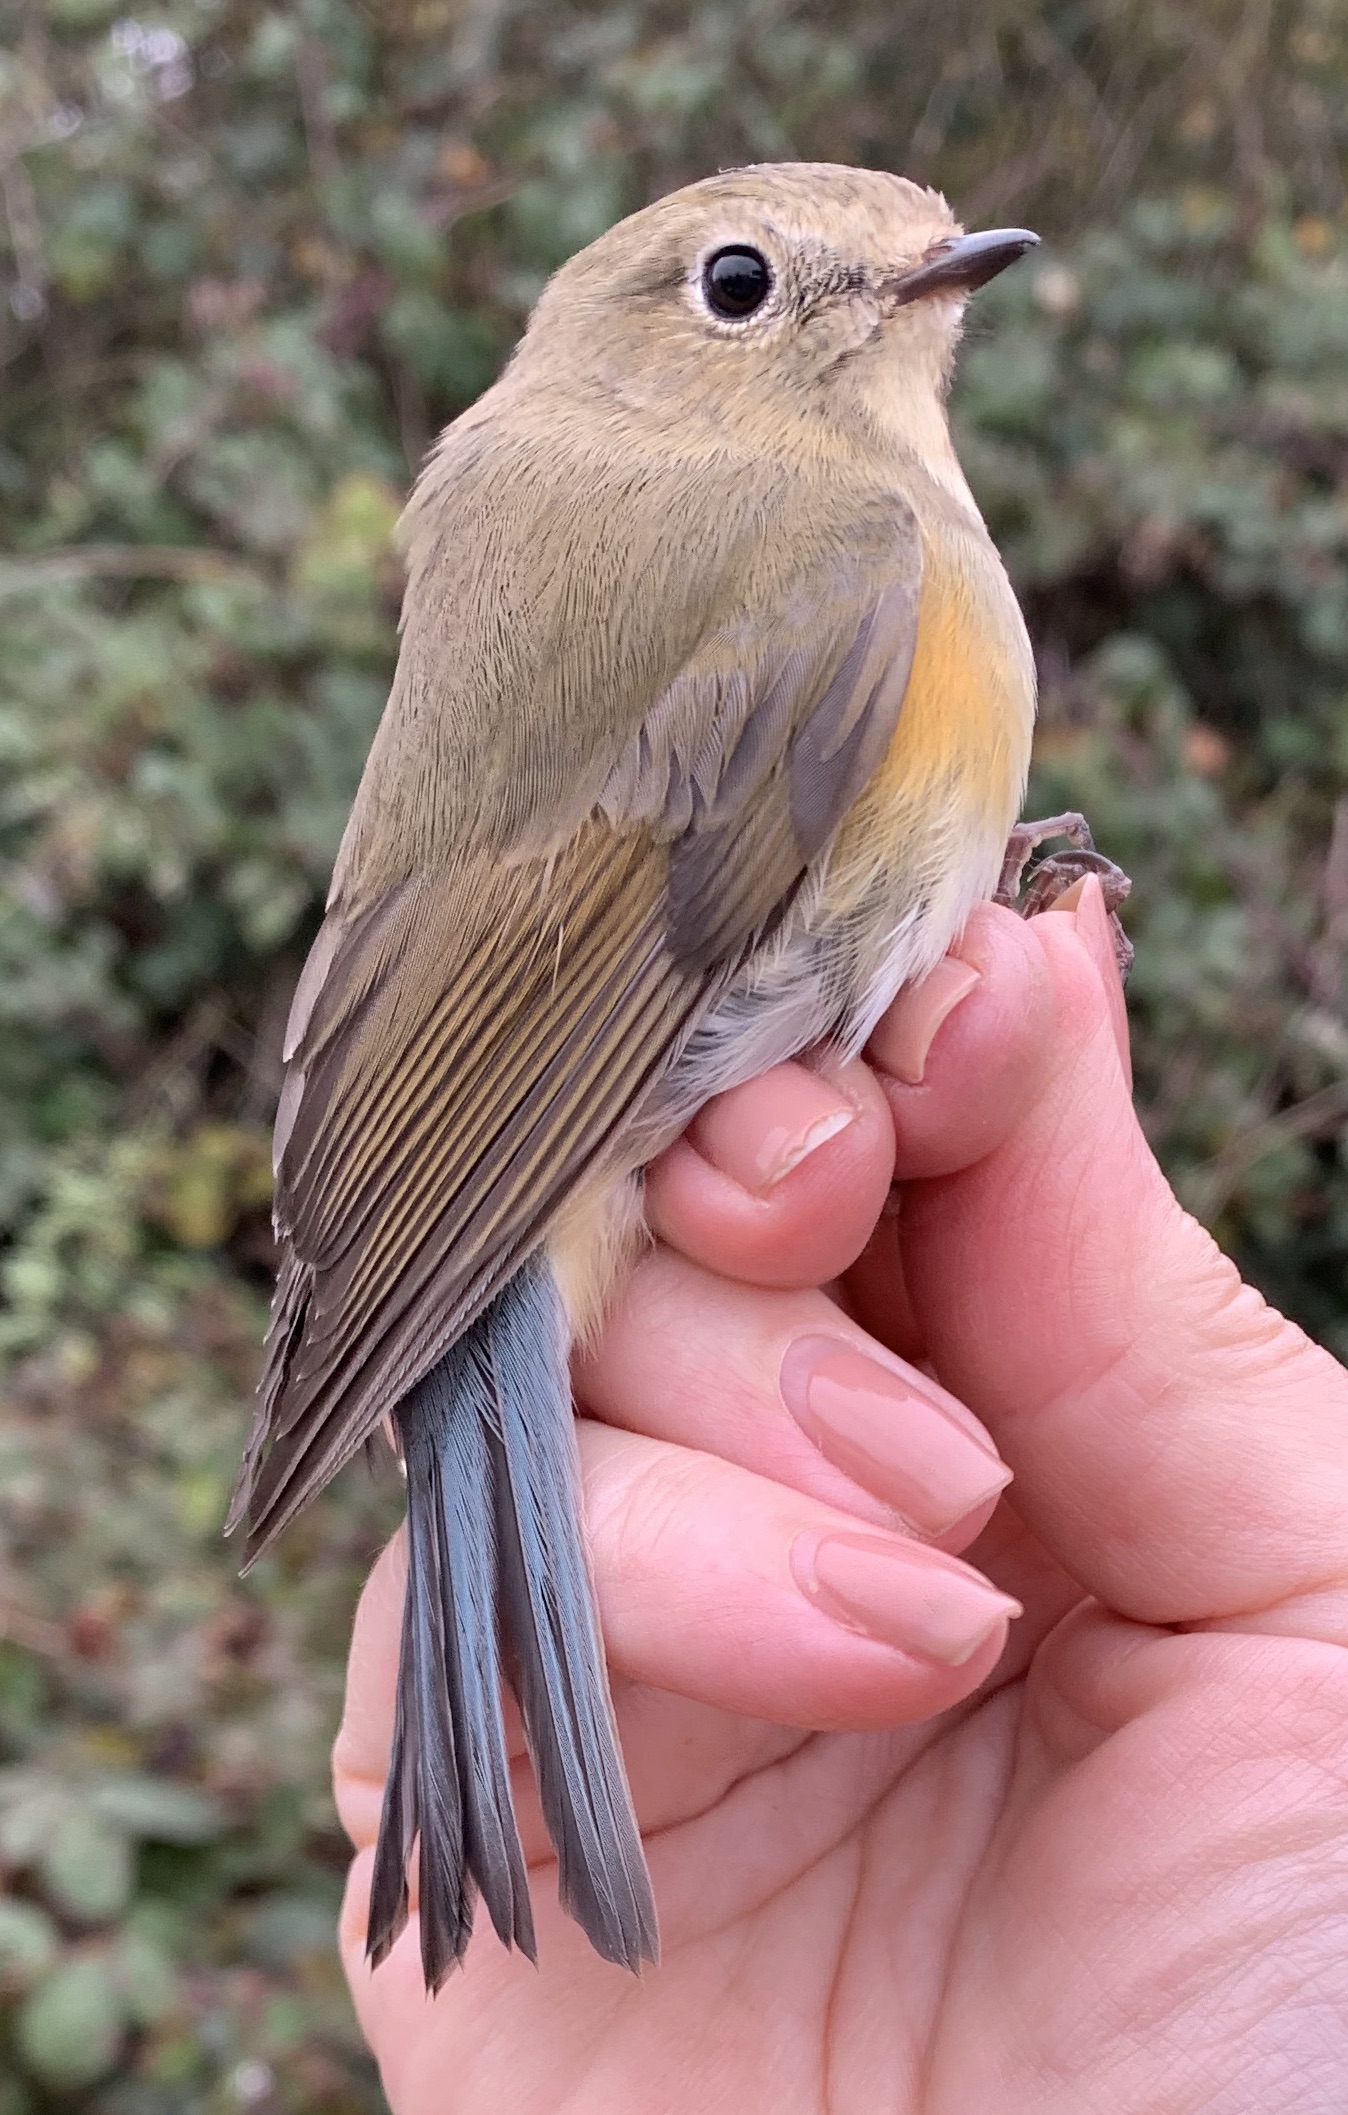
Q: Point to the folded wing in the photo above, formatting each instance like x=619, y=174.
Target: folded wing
x=470, y=1041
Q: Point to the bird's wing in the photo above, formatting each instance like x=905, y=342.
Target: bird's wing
x=464, y=1046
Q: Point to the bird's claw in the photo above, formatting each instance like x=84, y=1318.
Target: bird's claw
x=1052, y=876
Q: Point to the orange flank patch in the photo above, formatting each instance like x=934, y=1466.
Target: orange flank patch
x=960, y=749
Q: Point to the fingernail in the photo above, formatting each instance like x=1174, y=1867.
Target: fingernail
x=900, y=1593
x=1086, y=902
x=1093, y=926
x=757, y=1134
x=893, y=1439
x=904, y=1037
x=1070, y=899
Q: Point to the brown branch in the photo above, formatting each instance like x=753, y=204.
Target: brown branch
x=1329, y=955
x=25, y=576
x=1319, y=1113
x=320, y=134
x=32, y=1633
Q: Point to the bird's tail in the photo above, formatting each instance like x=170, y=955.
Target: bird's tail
x=498, y=1585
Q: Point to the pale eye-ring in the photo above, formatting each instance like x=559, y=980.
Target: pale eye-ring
x=736, y=281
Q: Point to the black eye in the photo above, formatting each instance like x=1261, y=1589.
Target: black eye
x=736, y=281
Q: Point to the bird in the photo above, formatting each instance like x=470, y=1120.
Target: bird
x=711, y=717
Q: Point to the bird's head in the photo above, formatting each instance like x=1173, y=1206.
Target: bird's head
x=774, y=304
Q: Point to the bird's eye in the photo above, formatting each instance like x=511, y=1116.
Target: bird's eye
x=736, y=281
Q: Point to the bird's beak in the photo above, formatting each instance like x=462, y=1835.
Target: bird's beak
x=962, y=263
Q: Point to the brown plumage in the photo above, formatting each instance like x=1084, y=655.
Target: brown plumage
x=711, y=717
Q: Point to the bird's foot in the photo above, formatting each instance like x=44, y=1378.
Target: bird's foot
x=1053, y=876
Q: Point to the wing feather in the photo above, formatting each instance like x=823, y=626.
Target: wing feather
x=471, y=1042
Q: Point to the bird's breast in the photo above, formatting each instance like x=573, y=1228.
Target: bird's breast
x=968, y=712
x=925, y=841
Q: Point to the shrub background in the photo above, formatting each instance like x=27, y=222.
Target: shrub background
x=250, y=259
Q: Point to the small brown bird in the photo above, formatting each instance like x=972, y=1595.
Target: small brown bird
x=711, y=719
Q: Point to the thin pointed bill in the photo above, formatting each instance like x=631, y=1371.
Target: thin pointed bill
x=961, y=265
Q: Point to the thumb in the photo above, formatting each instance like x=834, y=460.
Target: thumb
x=1181, y=1447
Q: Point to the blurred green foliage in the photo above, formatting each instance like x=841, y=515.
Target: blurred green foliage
x=250, y=259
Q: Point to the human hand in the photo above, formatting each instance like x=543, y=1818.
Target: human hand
x=1106, y=1867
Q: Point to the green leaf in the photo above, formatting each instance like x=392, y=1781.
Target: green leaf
x=88, y=1867
x=31, y=1809
x=29, y=1943
x=148, y=1979
x=69, y=2029
x=155, y=1809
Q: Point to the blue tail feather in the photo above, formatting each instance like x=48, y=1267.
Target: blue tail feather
x=497, y=1581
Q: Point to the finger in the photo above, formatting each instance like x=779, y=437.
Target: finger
x=364, y=1743
x=722, y=1586
x=778, y=1182
x=961, y=1057
x=1179, y=1446
x=964, y=1054
x=783, y=1384
x=875, y=1291
x=680, y=1756
x=719, y=1586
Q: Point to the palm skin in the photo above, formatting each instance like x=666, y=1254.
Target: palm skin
x=1104, y=1869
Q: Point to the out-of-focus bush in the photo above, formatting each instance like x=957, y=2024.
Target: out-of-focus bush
x=250, y=259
